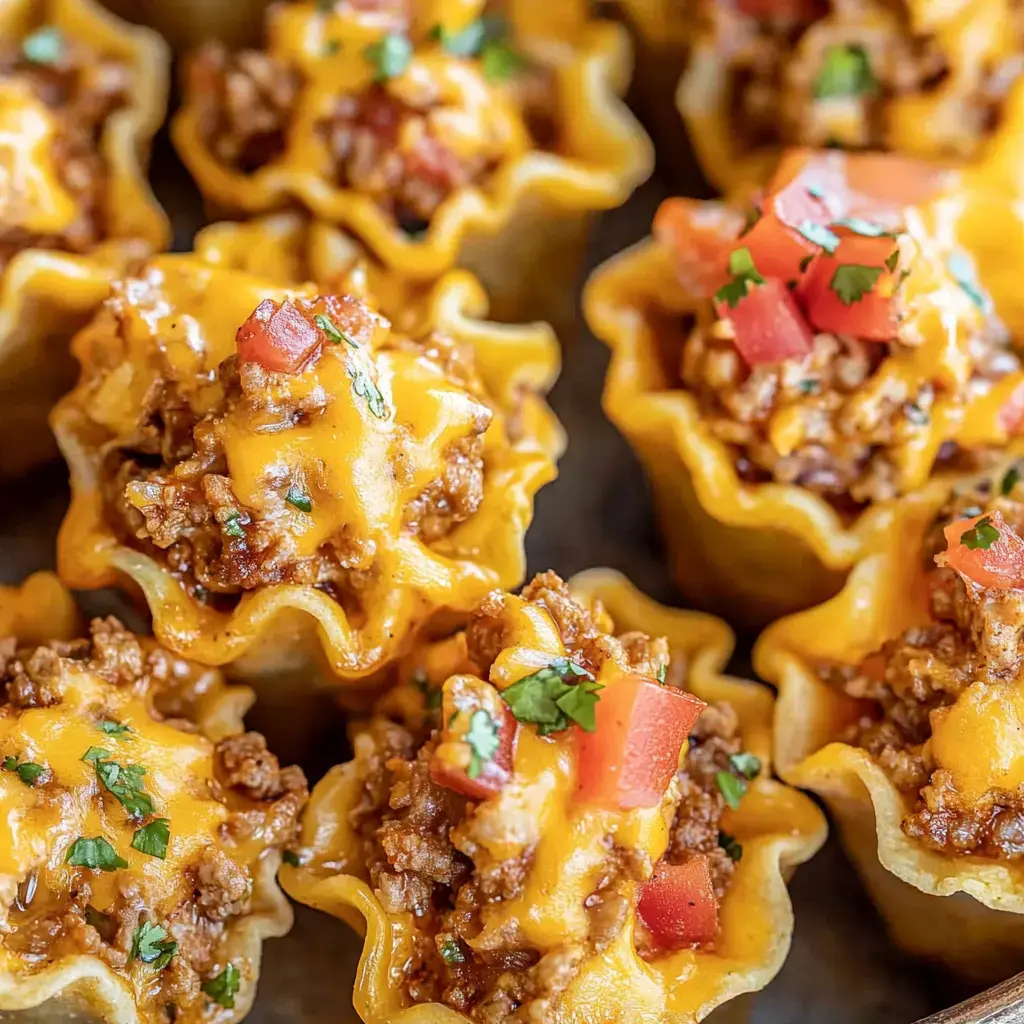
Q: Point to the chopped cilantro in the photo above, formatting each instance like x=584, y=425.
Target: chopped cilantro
x=662, y=671
x=334, y=334
x=867, y=228
x=223, y=987
x=152, y=839
x=806, y=262
x=451, y=952
x=367, y=390
x=915, y=414
x=744, y=273
x=808, y=386
x=815, y=191
x=95, y=754
x=981, y=535
x=152, y=945
x=962, y=269
x=753, y=216
x=499, y=60
x=431, y=694
x=291, y=858
x=483, y=740
x=748, y=765
x=44, y=46
x=28, y=771
x=546, y=698
x=232, y=526
x=299, y=500
x=892, y=260
x=731, y=788
x=389, y=55
x=466, y=43
x=731, y=847
x=851, y=282
x=846, y=72
x=819, y=235
x=95, y=853
x=1010, y=479
x=125, y=782
x=112, y=728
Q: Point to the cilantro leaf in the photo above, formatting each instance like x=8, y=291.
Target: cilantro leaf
x=483, y=740
x=548, y=700
x=851, y=282
x=29, y=772
x=982, y=535
x=333, y=332
x=152, y=945
x=744, y=273
x=291, y=858
x=451, y=952
x=730, y=845
x=390, y=55
x=153, y=839
x=500, y=61
x=1010, y=479
x=367, y=390
x=112, y=728
x=662, y=672
x=125, y=782
x=867, y=228
x=962, y=269
x=466, y=43
x=299, y=500
x=95, y=853
x=846, y=71
x=731, y=788
x=232, y=525
x=748, y=765
x=819, y=235
x=44, y=46
x=223, y=988
x=95, y=754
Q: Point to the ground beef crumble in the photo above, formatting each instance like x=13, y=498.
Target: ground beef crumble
x=264, y=802
x=853, y=420
x=423, y=844
x=974, y=635
x=176, y=459
x=82, y=89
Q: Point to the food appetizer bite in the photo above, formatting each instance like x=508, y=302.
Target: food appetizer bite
x=926, y=79
x=785, y=376
x=899, y=705
x=526, y=832
x=283, y=475
x=81, y=95
x=140, y=832
x=438, y=134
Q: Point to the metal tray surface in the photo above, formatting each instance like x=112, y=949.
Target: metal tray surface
x=842, y=969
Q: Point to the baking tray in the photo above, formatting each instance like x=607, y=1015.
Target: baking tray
x=842, y=969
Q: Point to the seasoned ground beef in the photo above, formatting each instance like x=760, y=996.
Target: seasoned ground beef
x=854, y=420
x=81, y=88
x=425, y=846
x=263, y=801
x=803, y=79
x=973, y=636
x=167, y=489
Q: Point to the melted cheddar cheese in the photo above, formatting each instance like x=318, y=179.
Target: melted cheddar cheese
x=565, y=856
x=122, y=825
x=336, y=463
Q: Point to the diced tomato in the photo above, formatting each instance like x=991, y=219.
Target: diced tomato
x=678, y=904
x=633, y=753
x=767, y=324
x=700, y=235
x=278, y=337
x=1011, y=416
x=874, y=315
x=1000, y=566
x=452, y=764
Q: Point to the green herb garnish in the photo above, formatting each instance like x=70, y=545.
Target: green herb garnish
x=852, y=282
x=153, y=839
x=731, y=788
x=982, y=535
x=451, y=952
x=748, y=765
x=95, y=853
x=546, y=698
x=845, y=72
x=963, y=273
x=390, y=55
x=1010, y=479
x=28, y=771
x=125, y=782
x=334, y=334
x=112, y=728
x=744, y=274
x=367, y=390
x=299, y=500
x=483, y=740
x=152, y=945
x=232, y=525
x=867, y=228
x=44, y=46
x=730, y=845
x=819, y=235
x=223, y=988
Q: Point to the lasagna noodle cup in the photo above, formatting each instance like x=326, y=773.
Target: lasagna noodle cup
x=763, y=549
x=965, y=912
x=521, y=227
x=287, y=630
x=778, y=827
x=186, y=23
x=973, y=35
x=46, y=294
x=116, y=722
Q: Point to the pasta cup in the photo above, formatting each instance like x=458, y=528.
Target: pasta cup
x=752, y=528
x=501, y=154
x=558, y=922
x=66, y=235
x=142, y=830
x=828, y=80
x=37, y=610
x=186, y=23
x=899, y=793
x=409, y=486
